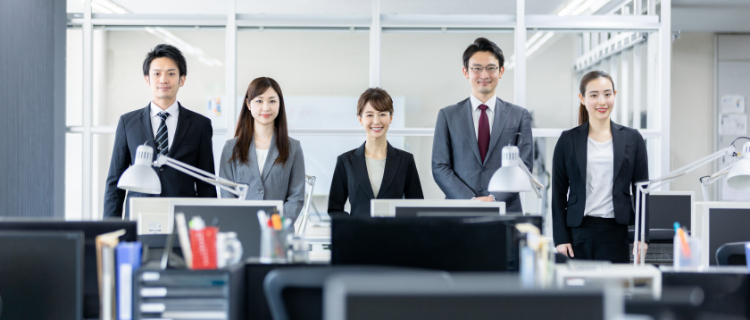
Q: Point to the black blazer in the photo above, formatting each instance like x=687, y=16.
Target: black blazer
x=191, y=144
x=350, y=180
x=569, y=173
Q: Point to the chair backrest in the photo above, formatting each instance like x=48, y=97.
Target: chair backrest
x=297, y=292
x=731, y=254
x=301, y=223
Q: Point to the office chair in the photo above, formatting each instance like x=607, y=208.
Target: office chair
x=297, y=292
x=731, y=254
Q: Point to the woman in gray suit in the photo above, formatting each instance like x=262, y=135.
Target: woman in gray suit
x=261, y=154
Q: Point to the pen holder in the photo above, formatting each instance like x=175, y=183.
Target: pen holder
x=273, y=245
x=203, y=245
x=683, y=261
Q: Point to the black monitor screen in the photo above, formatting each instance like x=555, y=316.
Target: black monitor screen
x=664, y=210
x=451, y=244
x=90, y=229
x=41, y=274
x=241, y=219
x=726, y=225
x=446, y=212
x=520, y=306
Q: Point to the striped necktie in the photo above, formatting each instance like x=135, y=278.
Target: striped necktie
x=162, y=135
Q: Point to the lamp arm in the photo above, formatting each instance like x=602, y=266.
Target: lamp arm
x=234, y=188
x=644, y=188
x=538, y=186
x=691, y=167
x=709, y=180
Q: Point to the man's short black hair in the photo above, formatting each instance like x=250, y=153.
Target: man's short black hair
x=165, y=50
x=482, y=44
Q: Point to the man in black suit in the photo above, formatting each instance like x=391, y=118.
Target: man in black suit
x=166, y=126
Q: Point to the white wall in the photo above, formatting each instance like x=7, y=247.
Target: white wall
x=692, y=116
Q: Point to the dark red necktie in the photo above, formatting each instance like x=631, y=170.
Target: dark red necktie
x=483, y=136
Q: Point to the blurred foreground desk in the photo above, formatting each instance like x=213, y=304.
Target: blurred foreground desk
x=726, y=290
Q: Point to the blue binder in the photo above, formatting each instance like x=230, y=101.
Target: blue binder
x=128, y=255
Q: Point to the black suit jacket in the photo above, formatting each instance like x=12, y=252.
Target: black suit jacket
x=569, y=173
x=350, y=180
x=191, y=145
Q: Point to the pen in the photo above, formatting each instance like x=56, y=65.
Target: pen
x=681, y=234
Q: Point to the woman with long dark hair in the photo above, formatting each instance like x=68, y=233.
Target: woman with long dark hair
x=595, y=168
x=261, y=154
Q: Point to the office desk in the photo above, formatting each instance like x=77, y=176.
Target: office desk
x=726, y=289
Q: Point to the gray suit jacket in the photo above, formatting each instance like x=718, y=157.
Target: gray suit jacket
x=456, y=163
x=284, y=182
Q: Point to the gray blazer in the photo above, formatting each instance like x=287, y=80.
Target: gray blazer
x=278, y=182
x=456, y=163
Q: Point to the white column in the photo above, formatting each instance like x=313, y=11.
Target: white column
x=88, y=96
x=665, y=69
x=637, y=85
x=625, y=87
x=230, y=57
x=519, y=88
x=375, y=35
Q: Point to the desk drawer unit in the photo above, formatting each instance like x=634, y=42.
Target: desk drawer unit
x=188, y=294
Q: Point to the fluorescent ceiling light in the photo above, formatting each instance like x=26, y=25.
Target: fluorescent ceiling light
x=575, y=7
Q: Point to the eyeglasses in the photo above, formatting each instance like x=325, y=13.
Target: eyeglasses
x=489, y=69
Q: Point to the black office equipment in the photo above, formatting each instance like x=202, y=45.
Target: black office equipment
x=41, y=274
x=450, y=244
x=726, y=225
x=90, y=229
x=726, y=290
x=189, y=294
x=242, y=219
x=406, y=212
x=663, y=209
x=297, y=292
x=437, y=297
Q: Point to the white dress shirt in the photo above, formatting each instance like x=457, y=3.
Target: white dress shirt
x=476, y=112
x=599, y=179
x=375, y=170
x=261, y=155
x=174, y=113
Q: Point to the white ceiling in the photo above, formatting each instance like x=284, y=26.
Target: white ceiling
x=687, y=15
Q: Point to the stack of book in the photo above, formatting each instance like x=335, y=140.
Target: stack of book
x=189, y=294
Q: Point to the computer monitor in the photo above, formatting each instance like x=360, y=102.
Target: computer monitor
x=450, y=244
x=90, y=230
x=229, y=215
x=664, y=208
x=41, y=274
x=434, y=208
x=152, y=214
x=436, y=297
x=720, y=222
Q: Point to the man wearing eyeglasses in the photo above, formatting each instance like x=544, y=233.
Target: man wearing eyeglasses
x=470, y=135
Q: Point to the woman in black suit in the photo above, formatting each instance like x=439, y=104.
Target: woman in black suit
x=375, y=170
x=599, y=162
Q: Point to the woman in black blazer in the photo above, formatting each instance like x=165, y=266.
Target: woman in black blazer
x=375, y=170
x=595, y=168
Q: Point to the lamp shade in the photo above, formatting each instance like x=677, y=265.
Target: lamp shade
x=510, y=177
x=140, y=177
x=739, y=175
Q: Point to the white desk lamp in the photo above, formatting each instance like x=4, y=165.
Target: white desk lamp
x=513, y=176
x=140, y=177
x=739, y=178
